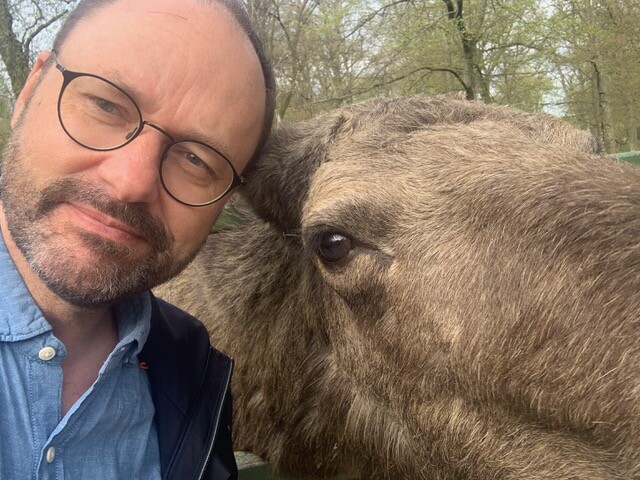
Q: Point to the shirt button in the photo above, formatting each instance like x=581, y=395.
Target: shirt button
x=51, y=454
x=47, y=353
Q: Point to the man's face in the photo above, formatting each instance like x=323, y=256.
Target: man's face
x=95, y=226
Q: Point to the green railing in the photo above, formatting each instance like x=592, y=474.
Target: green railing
x=251, y=467
x=631, y=157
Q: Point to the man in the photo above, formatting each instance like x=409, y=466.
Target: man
x=127, y=139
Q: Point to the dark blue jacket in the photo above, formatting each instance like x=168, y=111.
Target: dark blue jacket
x=190, y=388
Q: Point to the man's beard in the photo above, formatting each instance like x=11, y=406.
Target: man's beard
x=88, y=282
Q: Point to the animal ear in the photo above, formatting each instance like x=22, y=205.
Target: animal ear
x=278, y=181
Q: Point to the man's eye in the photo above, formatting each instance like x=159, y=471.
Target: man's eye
x=193, y=159
x=106, y=105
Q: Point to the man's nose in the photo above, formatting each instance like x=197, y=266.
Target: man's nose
x=131, y=172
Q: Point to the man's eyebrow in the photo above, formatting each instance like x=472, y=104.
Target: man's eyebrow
x=137, y=95
x=187, y=133
x=200, y=135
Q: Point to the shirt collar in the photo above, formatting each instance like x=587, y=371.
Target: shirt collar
x=134, y=320
x=20, y=317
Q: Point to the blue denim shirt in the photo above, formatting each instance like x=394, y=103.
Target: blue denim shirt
x=109, y=432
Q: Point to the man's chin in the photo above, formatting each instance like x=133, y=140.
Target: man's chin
x=96, y=286
x=94, y=272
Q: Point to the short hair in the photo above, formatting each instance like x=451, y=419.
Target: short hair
x=87, y=7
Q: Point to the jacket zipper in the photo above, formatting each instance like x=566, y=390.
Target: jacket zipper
x=212, y=440
x=225, y=389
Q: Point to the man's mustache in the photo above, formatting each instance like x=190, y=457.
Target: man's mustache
x=134, y=215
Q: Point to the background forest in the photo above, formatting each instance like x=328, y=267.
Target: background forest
x=578, y=59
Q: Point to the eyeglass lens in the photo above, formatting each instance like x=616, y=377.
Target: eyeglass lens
x=100, y=116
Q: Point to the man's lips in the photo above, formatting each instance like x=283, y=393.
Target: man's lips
x=103, y=224
x=89, y=209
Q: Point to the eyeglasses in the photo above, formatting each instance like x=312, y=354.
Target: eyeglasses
x=99, y=115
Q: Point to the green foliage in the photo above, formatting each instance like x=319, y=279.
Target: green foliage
x=227, y=219
x=597, y=63
x=576, y=58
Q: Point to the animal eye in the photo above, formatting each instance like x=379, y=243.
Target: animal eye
x=334, y=247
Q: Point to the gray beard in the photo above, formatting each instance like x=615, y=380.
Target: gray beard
x=112, y=273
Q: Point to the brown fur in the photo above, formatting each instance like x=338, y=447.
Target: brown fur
x=485, y=324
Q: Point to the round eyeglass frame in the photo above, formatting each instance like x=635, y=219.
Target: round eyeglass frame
x=68, y=76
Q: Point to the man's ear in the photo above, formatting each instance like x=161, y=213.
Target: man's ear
x=29, y=86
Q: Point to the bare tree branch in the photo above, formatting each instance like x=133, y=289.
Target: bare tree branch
x=373, y=15
x=397, y=79
x=41, y=27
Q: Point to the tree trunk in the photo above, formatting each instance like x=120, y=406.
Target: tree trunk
x=13, y=53
x=632, y=132
x=603, y=108
x=473, y=77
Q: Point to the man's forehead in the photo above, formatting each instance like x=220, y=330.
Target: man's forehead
x=125, y=41
x=147, y=15
x=177, y=10
x=189, y=66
